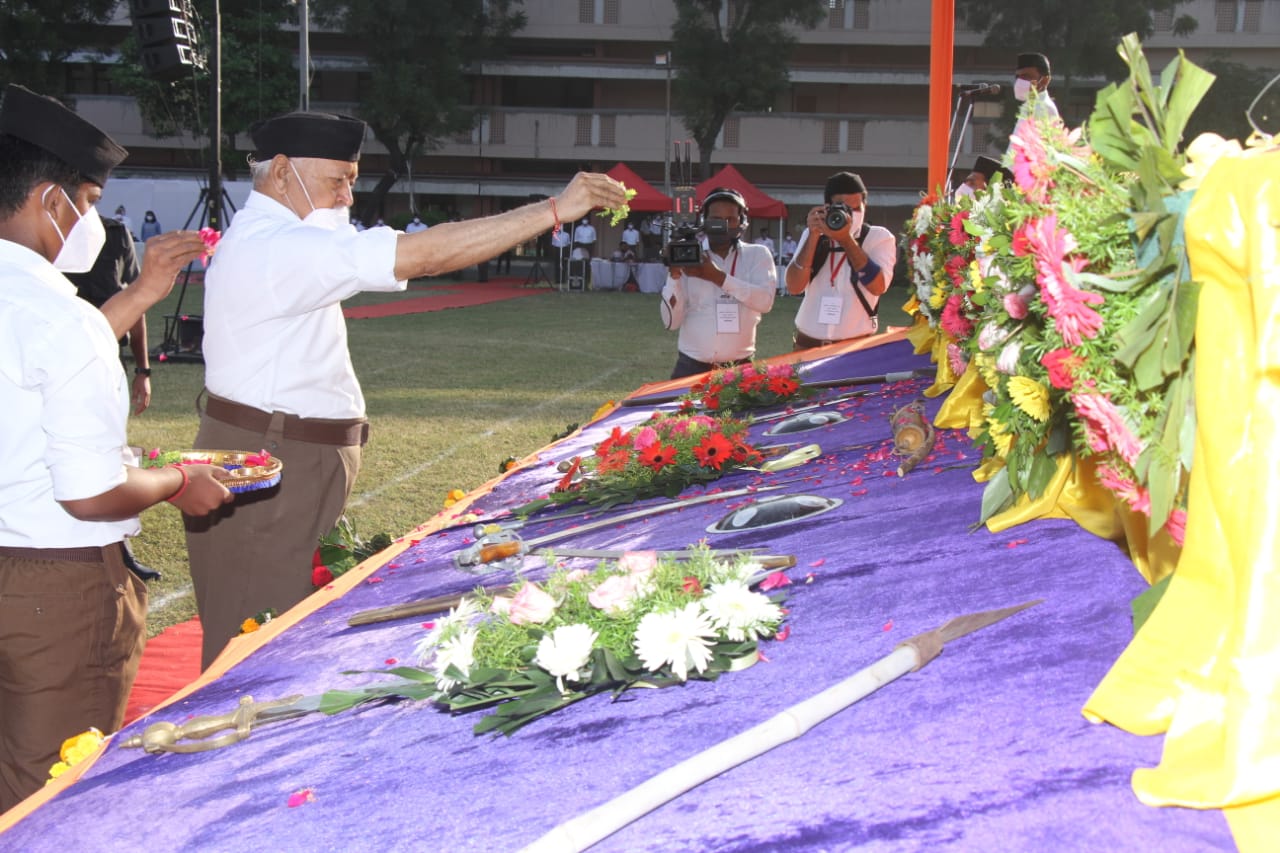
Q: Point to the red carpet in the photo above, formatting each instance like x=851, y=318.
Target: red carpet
x=170, y=661
x=447, y=296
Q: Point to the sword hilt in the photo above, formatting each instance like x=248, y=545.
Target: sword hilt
x=495, y=548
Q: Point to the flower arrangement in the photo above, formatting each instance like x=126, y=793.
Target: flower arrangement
x=748, y=386
x=1067, y=290
x=637, y=621
x=341, y=550
x=662, y=456
x=210, y=238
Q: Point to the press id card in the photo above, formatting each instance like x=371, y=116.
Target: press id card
x=830, y=309
x=727, y=322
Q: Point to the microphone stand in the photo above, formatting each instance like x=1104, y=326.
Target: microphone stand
x=964, y=99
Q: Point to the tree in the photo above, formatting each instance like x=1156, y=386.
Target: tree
x=37, y=37
x=420, y=54
x=258, y=74
x=732, y=61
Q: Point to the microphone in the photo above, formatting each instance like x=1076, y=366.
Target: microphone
x=980, y=89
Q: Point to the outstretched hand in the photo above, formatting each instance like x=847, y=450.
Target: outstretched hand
x=587, y=191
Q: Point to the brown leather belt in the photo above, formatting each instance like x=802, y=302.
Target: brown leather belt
x=341, y=433
x=803, y=341
x=85, y=554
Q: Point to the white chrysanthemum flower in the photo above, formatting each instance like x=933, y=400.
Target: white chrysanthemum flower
x=678, y=638
x=565, y=651
x=740, y=613
x=924, y=217
x=444, y=628
x=459, y=652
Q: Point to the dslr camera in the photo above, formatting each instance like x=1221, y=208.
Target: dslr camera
x=837, y=216
x=685, y=247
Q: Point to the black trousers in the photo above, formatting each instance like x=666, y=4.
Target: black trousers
x=687, y=366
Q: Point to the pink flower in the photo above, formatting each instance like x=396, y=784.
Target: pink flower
x=953, y=322
x=1015, y=306
x=1106, y=427
x=638, y=563
x=1061, y=364
x=955, y=357
x=531, y=605
x=1177, y=526
x=645, y=437
x=1032, y=171
x=1138, y=499
x=1068, y=306
x=956, y=235
x=613, y=594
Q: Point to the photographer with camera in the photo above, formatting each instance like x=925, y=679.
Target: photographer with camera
x=717, y=286
x=841, y=265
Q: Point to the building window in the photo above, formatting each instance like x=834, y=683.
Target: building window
x=856, y=129
x=1238, y=16
x=586, y=11
x=608, y=131
x=611, y=11
x=497, y=128
x=732, y=127
x=583, y=136
x=831, y=136
x=862, y=14
x=835, y=16
x=1162, y=21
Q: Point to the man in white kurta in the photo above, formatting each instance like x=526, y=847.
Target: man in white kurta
x=717, y=304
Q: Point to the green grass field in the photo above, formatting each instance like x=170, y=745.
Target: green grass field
x=450, y=395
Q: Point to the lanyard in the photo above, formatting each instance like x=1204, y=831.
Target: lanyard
x=835, y=265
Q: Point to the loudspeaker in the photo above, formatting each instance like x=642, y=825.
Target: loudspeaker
x=166, y=38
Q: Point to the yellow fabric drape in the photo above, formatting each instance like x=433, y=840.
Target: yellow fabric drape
x=963, y=407
x=1205, y=668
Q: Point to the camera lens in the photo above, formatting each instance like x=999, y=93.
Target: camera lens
x=837, y=218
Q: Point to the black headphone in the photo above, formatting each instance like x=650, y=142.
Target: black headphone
x=725, y=194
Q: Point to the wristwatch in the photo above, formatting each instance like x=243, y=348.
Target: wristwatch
x=142, y=371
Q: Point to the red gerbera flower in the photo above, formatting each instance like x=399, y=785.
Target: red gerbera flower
x=567, y=479
x=783, y=385
x=657, y=456
x=713, y=451
x=711, y=402
x=616, y=439
x=615, y=461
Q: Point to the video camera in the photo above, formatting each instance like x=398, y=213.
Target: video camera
x=684, y=249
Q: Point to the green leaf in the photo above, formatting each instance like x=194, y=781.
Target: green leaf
x=1163, y=482
x=1145, y=604
x=1043, y=467
x=997, y=496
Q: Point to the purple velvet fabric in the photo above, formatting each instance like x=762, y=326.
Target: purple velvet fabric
x=983, y=749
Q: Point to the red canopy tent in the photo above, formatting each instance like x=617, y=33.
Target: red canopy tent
x=647, y=199
x=762, y=206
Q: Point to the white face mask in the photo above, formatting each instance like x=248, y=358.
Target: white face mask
x=328, y=218
x=964, y=191
x=1021, y=89
x=855, y=221
x=83, y=243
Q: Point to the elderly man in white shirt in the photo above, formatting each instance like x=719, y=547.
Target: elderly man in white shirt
x=842, y=268
x=277, y=369
x=718, y=303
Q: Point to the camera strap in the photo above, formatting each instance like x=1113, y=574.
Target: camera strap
x=823, y=250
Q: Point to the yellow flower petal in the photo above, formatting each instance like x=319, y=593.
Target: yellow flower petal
x=1030, y=396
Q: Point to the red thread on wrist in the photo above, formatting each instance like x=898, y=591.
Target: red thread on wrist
x=556, y=214
x=186, y=481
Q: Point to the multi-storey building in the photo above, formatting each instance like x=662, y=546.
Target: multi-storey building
x=585, y=85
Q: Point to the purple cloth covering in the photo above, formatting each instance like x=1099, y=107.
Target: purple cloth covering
x=983, y=749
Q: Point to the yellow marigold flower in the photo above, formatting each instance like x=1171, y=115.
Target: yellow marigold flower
x=975, y=276
x=1030, y=396
x=57, y=770
x=986, y=364
x=249, y=625
x=1001, y=437
x=453, y=497
x=74, y=750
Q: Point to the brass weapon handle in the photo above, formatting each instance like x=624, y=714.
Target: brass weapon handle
x=164, y=736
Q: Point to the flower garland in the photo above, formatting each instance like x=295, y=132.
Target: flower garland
x=748, y=386
x=637, y=621
x=1067, y=289
x=662, y=456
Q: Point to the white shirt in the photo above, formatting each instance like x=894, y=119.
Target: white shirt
x=631, y=236
x=706, y=314
x=560, y=239
x=584, y=234
x=66, y=401
x=789, y=247
x=854, y=322
x=415, y=226
x=766, y=241
x=274, y=334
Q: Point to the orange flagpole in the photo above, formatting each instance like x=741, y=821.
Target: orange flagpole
x=941, y=50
